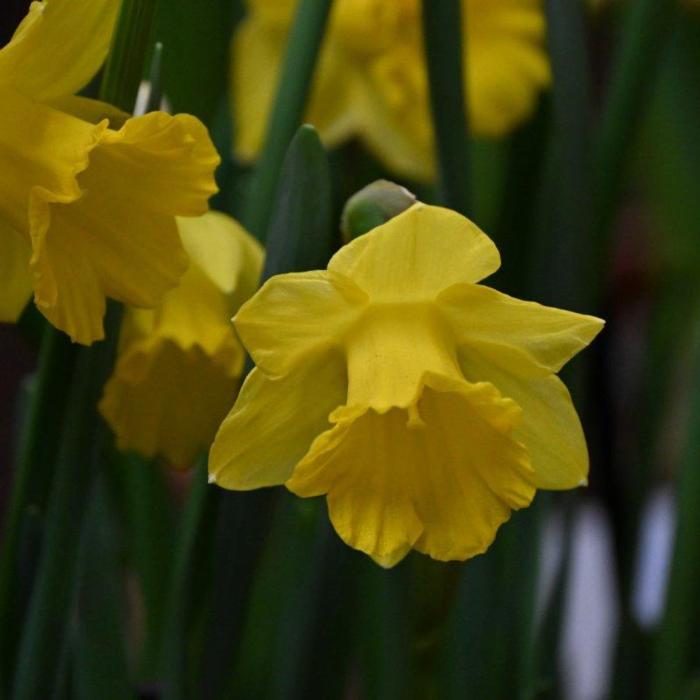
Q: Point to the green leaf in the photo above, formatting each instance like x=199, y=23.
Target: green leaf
x=100, y=660
x=644, y=30
x=288, y=107
x=77, y=462
x=149, y=527
x=564, y=204
x=195, y=64
x=189, y=563
x=673, y=654
x=442, y=31
x=126, y=62
x=31, y=485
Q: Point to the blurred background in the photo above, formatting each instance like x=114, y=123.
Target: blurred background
x=593, y=199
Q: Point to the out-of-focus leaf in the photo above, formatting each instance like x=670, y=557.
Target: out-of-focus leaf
x=100, y=663
x=31, y=485
x=79, y=453
x=674, y=649
x=196, y=35
x=442, y=32
x=299, y=62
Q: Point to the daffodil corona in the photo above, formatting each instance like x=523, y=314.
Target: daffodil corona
x=424, y=406
x=87, y=211
x=371, y=81
x=179, y=365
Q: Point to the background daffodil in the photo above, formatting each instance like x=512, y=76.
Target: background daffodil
x=87, y=211
x=371, y=80
x=424, y=406
x=179, y=365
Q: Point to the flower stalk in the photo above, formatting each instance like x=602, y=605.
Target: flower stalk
x=442, y=30
x=644, y=30
x=673, y=661
x=288, y=109
x=131, y=44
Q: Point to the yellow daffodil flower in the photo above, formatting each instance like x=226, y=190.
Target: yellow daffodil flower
x=179, y=365
x=371, y=81
x=423, y=405
x=87, y=211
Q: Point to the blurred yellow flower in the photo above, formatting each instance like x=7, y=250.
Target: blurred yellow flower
x=424, y=406
x=179, y=365
x=87, y=211
x=371, y=81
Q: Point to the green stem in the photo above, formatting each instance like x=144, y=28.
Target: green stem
x=130, y=45
x=564, y=202
x=444, y=37
x=32, y=477
x=644, y=30
x=149, y=524
x=673, y=654
x=435, y=591
x=195, y=530
x=288, y=108
x=99, y=644
x=82, y=441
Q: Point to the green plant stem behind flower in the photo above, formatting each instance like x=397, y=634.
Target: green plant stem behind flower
x=79, y=454
x=131, y=44
x=442, y=29
x=31, y=481
x=644, y=30
x=288, y=109
x=673, y=660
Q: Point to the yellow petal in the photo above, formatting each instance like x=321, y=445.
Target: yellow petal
x=550, y=428
x=118, y=236
x=280, y=12
x=41, y=152
x=506, y=64
x=392, y=113
x=170, y=160
x=15, y=280
x=273, y=423
x=521, y=336
x=442, y=484
x=416, y=255
x=89, y=110
x=295, y=315
x=58, y=47
x=389, y=350
x=225, y=252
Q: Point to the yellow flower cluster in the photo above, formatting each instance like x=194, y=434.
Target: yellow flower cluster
x=423, y=405
x=371, y=81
